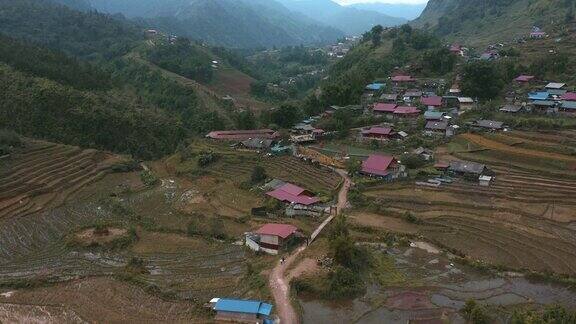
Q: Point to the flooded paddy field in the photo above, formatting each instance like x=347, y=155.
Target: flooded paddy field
x=430, y=286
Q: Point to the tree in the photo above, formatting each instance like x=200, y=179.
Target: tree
x=258, y=175
x=286, y=116
x=475, y=313
x=377, y=35
x=245, y=120
x=482, y=80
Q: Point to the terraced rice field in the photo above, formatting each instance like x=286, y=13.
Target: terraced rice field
x=34, y=248
x=287, y=168
x=525, y=220
x=100, y=300
x=45, y=175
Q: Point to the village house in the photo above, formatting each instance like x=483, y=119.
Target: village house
x=432, y=115
x=292, y=194
x=412, y=96
x=555, y=85
x=544, y=106
x=256, y=144
x=241, y=311
x=382, y=166
x=375, y=87
x=377, y=133
x=524, y=79
x=271, y=238
x=465, y=103
x=468, y=168
x=456, y=49
x=241, y=135
x=569, y=96
x=436, y=127
x=513, y=109
x=488, y=124
x=432, y=102
x=485, y=181
x=424, y=153
x=568, y=106
x=406, y=112
x=402, y=80
x=388, y=98
x=384, y=108
x=539, y=95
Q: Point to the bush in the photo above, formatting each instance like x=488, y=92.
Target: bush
x=207, y=158
x=8, y=141
x=411, y=218
x=258, y=175
x=148, y=178
x=193, y=228
x=344, y=283
x=475, y=313
x=217, y=229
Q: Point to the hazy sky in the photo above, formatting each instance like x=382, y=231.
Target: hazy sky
x=385, y=1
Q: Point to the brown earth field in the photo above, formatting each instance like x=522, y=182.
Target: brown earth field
x=525, y=220
x=234, y=83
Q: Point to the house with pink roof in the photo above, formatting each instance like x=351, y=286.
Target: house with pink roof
x=524, y=78
x=569, y=96
x=271, y=238
x=382, y=166
x=377, y=132
x=432, y=102
x=403, y=79
x=384, y=108
x=406, y=112
x=292, y=194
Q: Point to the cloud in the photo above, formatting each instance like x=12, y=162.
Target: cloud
x=346, y=2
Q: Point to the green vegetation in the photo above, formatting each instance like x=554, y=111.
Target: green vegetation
x=149, y=178
x=482, y=80
x=258, y=175
x=475, y=313
x=182, y=57
x=552, y=314
x=8, y=141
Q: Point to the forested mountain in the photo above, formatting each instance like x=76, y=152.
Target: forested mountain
x=353, y=21
x=401, y=10
x=71, y=77
x=483, y=21
x=231, y=23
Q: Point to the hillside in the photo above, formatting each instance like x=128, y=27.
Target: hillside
x=231, y=23
x=482, y=22
x=351, y=20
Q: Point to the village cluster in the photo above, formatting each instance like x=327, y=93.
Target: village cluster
x=397, y=100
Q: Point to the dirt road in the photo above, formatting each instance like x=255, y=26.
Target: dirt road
x=279, y=284
x=494, y=145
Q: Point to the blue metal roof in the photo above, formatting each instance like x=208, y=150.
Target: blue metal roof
x=542, y=95
x=243, y=306
x=430, y=114
x=375, y=86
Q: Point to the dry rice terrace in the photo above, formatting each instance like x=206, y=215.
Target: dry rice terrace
x=44, y=175
x=525, y=220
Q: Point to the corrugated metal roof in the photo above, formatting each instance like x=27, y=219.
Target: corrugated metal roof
x=243, y=306
x=382, y=107
x=377, y=131
x=569, y=105
x=569, y=96
x=293, y=194
x=377, y=164
x=541, y=95
x=281, y=230
x=432, y=101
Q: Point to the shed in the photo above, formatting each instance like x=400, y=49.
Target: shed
x=389, y=97
x=242, y=311
x=467, y=167
x=511, y=109
x=485, y=180
x=437, y=126
x=555, y=85
x=258, y=144
x=489, y=124
x=433, y=115
x=539, y=95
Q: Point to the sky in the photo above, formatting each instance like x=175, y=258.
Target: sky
x=345, y=2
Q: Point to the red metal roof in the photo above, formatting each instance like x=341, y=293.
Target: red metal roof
x=378, y=164
x=402, y=78
x=432, y=101
x=377, y=131
x=292, y=194
x=281, y=230
x=524, y=78
x=405, y=110
x=569, y=96
x=383, y=107
x=243, y=134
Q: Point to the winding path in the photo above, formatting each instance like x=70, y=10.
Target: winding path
x=279, y=284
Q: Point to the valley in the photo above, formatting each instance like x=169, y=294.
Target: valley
x=282, y=161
